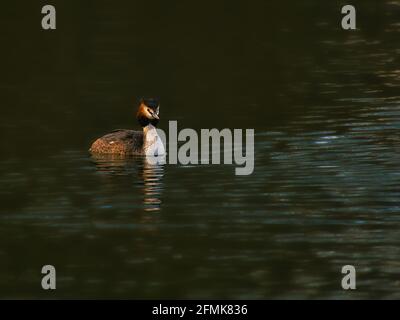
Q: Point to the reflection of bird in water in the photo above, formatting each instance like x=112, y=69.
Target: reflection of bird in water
x=150, y=174
x=152, y=177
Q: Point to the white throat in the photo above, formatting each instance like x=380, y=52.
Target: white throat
x=152, y=143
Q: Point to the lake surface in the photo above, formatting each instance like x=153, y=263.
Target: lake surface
x=325, y=106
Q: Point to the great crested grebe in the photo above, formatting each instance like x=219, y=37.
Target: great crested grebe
x=130, y=142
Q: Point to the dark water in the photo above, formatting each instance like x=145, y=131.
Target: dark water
x=325, y=106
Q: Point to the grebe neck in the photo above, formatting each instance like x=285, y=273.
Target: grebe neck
x=152, y=143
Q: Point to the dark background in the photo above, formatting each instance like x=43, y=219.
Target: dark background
x=222, y=64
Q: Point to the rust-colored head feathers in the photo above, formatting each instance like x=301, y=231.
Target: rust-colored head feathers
x=148, y=112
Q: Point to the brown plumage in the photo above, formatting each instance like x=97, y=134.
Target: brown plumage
x=122, y=141
x=128, y=142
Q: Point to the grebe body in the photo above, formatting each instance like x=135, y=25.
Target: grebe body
x=131, y=142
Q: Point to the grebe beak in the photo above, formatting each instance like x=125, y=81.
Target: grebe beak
x=155, y=115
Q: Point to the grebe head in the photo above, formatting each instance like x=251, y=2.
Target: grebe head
x=148, y=113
